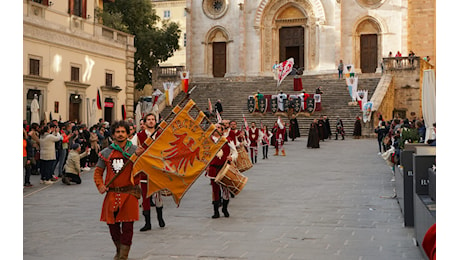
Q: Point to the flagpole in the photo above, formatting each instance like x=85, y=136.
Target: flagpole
x=134, y=156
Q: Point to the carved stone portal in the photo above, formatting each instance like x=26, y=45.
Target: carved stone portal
x=282, y=14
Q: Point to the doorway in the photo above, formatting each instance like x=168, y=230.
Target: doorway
x=108, y=109
x=368, y=48
x=219, y=59
x=30, y=96
x=292, y=44
x=74, y=107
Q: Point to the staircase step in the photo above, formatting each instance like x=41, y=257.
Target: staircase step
x=233, y=95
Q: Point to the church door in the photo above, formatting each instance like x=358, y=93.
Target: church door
x=292, y=45
x=219, y=59
x=368, y=47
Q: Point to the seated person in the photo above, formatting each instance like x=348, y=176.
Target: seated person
x=72, y=165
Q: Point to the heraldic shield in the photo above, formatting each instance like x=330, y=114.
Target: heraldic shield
x=310, y=105
x=179, y=154
x=251, y=104
x=262, y=105
x=297, y=104
x=274, y=105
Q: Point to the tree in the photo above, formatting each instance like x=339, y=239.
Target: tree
x=154, y=43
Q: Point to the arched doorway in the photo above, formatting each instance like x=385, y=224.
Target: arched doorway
x=289, y=29
x=367, y=40
x=217, y=44
x=292, y=45
x=219, y=59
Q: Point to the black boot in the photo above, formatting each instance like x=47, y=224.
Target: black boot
x=161, y=222
x=216, y=209
x=224, y=208
x=148, y=225
x=152, y=204
x=255, y=158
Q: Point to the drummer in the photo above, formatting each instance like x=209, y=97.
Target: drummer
x=227, y=153
x=235, y=135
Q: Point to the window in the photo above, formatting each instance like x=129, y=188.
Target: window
x=34, y=67
x=77, y=7
x=166, y=14
x=185, y=40
x=108, y=79
x=43, y=2
x=75, y=74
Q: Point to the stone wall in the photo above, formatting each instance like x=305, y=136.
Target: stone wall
x=421, y=27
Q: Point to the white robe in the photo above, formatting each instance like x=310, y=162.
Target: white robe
x=34, y=109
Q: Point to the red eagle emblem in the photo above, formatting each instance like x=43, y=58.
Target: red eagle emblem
x=181, y=154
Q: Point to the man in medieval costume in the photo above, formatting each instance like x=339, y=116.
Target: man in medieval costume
x=313, y=135
x=139, y=139
x=280, y=133
x=254, y=138
x=294, y=131
x=226, y=154
x=120, y=207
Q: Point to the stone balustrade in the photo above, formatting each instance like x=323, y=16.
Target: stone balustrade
x=401, y=63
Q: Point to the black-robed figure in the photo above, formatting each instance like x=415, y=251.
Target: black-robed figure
x=313, y=135
x=294, y=131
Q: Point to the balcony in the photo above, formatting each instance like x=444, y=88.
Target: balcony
x=401, y=63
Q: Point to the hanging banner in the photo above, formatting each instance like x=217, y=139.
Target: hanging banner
x=284, y=69
x=179, y=154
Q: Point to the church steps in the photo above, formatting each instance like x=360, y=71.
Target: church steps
x=234, y=95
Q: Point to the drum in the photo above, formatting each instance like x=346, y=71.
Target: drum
x=243, y=162
x=230, y=177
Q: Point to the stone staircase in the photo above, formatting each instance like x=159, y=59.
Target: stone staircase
x=234, y=94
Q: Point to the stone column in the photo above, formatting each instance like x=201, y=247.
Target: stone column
x=129, y=102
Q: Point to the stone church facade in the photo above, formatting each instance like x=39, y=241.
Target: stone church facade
x=242, y=39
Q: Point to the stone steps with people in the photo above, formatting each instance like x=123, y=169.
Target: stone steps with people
x=234, y=95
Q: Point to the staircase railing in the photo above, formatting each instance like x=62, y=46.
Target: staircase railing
x=383, y=99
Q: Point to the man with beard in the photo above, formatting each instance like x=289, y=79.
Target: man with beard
x=120, y=207
x=233, y=134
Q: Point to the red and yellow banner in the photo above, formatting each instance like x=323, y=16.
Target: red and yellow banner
x=179, y=155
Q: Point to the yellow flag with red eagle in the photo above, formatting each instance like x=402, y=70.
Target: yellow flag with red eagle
x=179, y=154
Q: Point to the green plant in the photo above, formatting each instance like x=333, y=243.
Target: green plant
x=410, y=135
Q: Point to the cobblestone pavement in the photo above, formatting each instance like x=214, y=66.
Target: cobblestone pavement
x=328, y=203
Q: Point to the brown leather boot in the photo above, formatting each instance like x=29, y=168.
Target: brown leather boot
x=276, y=153
x=117, y=245
x=283, y=153
x=124, y=251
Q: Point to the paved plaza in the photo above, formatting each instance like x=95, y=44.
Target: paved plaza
x=329, y=203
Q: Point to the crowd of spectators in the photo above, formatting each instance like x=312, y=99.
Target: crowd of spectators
x=393, y=134
x=47, y=146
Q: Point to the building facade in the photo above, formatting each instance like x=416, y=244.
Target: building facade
x=174, y=11
x=246, y=38
x=68, y=57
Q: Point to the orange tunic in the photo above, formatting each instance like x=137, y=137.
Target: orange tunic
x=126, y=204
